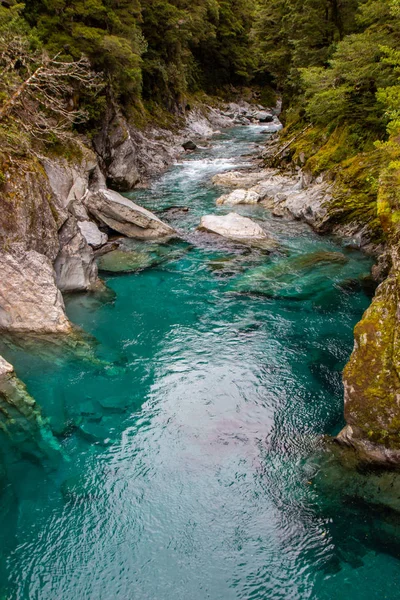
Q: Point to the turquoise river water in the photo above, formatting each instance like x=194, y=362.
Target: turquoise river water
x=182, y=464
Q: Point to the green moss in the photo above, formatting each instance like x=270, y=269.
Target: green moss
x=372, y=374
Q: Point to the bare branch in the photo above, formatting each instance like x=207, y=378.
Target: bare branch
x=41, y=89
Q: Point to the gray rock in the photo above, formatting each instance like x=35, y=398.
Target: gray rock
x=75, y=266
x=5, y=367
x=29, y=298
x=264, y=117
x=118, y=153
x=92, y=234
x=239, y=197
x=70, y=181
x=233, y=226
x=238, y=179
x=189, y=145
x=198, y=125
x=126, y=217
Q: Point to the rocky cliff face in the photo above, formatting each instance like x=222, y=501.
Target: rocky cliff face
x=352, y=209
x=42, y=250
x=56, y=212
x=372, y=376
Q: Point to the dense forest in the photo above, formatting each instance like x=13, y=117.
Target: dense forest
x=334, y=62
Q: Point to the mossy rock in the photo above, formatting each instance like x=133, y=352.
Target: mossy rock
x=371, y=378
x=119, y=261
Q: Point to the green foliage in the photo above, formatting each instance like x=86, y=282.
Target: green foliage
x=160, y=49
x=294, y=34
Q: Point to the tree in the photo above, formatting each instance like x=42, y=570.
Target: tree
x=38, y=91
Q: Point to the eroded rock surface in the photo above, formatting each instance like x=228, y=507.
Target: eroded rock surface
x=372, y=376
x=92, y=234
x=238, y=179
x=29, y=298
x=75, y=267
x=118, y=152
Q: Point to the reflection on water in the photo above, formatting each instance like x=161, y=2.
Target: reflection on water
x=192, y=441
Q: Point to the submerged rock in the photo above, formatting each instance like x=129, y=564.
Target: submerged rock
x=132, y=256
x=339, y=475
x=21, y=420
x=120, y=261
x=299, y=277
x=239, y=197
x=122, y=215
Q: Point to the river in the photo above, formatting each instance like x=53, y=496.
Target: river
x=187, y=467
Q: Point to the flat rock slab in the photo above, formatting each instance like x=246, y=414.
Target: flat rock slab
x=126, y=217
x=237, y=179
x=237, y=228
x=239, y=197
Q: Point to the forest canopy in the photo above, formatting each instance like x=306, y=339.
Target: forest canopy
x=335, y=61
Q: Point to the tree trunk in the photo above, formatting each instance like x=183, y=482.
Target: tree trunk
x=8, y=106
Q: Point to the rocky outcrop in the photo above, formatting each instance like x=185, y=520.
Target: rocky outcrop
x=372, y=376
x=237, y=228
x=118, y=152
x=29, y=298
x=128, y=155
x=126, y=217
x=42, y=249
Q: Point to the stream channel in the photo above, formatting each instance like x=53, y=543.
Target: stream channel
x=185, y=468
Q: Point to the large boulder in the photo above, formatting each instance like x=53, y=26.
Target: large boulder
x=189, y=145
x=75, y=265
x=239, y=197
x=264, y=117
x=237, y=228
x=372, y=376
x=126, y=217
x=372, y=383
x=29, y=298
